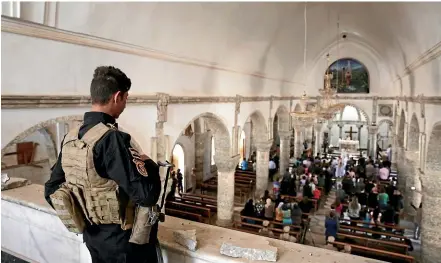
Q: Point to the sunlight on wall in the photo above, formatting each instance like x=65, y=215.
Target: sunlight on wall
x=213, y=150
x=350, y=114
x=242, y=145
x=179, y=161
x=383, y=135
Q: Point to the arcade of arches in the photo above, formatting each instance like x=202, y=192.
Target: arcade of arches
x=235, y=111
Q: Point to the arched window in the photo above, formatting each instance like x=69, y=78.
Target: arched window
x=349, y=76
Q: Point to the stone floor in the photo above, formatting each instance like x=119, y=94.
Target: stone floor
x=7, y=258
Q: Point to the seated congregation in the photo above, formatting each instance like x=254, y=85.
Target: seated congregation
x=365, y=212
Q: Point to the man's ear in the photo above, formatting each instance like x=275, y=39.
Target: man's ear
x=117, y=96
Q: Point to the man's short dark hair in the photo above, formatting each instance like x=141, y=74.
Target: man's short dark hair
x=107, y=80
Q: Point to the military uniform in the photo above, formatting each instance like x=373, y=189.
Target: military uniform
x=111, y=183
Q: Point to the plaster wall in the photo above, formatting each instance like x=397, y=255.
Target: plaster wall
x=425, y=79
x=72, y=69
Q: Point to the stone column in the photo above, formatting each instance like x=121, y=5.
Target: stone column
x=330, y=133
x=406, y=135
x=394, y=150
x=359, y=126
x=61, y=131
x=262, y=167
x=298, y=142
x=340, y=134
x=318, y=137
x=236, y=127
x=373, y=135
x=200, y=140
x=226, y=167
x=284, y=150
x=422, y=151
x=431, y=217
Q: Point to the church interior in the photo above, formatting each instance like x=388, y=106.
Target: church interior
x=264, y=107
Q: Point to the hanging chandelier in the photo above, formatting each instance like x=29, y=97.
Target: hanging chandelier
x=327, y=105
x=304, y=116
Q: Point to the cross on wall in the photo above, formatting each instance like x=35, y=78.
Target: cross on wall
x=350, y=132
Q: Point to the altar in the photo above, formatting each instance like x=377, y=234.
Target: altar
x=348, y=145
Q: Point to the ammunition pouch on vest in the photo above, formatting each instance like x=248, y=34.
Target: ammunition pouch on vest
x=145, y=219
x=86, y=197
x=68, y=210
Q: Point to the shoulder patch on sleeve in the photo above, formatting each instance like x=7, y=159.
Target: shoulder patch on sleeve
x=140, y=165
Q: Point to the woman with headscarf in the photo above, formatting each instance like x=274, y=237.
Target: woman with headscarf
x=269, y=210
x=248, y=210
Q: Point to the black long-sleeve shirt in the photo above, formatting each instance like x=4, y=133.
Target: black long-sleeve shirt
x=114, y=160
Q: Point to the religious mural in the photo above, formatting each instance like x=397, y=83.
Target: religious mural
x=352, y=76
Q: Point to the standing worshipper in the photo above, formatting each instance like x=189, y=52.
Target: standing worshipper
x=272, y=169
x=244, y=164
x=331, y=226
x=389, y=153
x=193, y=180
x=180, y=177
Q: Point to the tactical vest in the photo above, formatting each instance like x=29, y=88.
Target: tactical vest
x=96, y=197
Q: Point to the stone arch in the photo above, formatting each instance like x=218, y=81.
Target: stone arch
x=51, y=148
x=384, y=136
x=259, y=129
x=282, y=114
x=388, y=122
x=414, y=134
x=219, y=131
x=433, y=161
x=39, y=126
x=401, y=125
x=360, y=111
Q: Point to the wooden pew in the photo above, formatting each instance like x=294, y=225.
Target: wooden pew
x=204, y=211
x=397, y=228
x=245, y=172
x=183, y=214
x=368, y=230
x=206, y=198
x=207, y=204
x=271, y=222
x=367, y=242
x=374, y=251
x=257, y=227
x=201, y=196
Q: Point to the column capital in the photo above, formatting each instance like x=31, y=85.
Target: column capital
x=318, y=126
x=264, y=146
x=359, y=126
x=284, y=134
x=226, y=164
x=340, y=125
x=373, y=129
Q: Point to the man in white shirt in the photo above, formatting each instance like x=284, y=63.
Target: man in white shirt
x=389, y=152
x=272, y=169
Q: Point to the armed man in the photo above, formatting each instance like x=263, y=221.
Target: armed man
x=101, y=186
